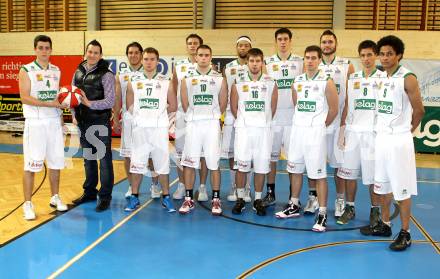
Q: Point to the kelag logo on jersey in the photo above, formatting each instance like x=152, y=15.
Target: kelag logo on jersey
x=202, y=100
x=385, y=107
x=365, y=104
x=254, y=105
x=47, y=95
x=307, y=106
x=148, y=103
x=284, y=83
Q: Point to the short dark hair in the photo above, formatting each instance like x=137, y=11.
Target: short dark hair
x=133, y=44
x=255, y=52
x=94, y=43
x=151, y=50
x=283, y=31
x=313, y=48
x=367, y=44
x=193, y=35
x=42, y=38
x=204, y=47
x=393, y=42
x=328, y=33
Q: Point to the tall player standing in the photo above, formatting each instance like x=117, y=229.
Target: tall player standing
x=183, y=68
x=316, y=106
x=339, y=69
x=399, y=112
x=149, y=97
x=204, y=98
x=253, y=104
x=233, y=71
x=43, y=133
x=357, y=141
x=283, y=67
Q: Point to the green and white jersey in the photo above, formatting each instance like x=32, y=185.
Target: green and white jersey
x=254, y=101
x=394, y=111
x=203, y=95
x=124, y=77
x=283, y=72
x=361, y=93
x=337, y=70
x=45, y=85
x=311, y=107
x=150, y=100
x=183, y=68
x=233, y=71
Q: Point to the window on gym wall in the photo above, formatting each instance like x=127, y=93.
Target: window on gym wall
x=151, y=14
x=273, y=14
x=43, y=15
x=393, y=14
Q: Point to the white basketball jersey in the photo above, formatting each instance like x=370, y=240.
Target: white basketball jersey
x=394, y=111
x=233, y=71
x=337, y=70
x=45, y=85
x=311, y=107
x=254, y=101
x=283, y=72
x=203, y=95
x=124, y=77
x=183, y=68
x=361, y=93
x=150, y=100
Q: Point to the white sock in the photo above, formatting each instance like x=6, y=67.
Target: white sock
x=340, y=196
x=350, y=203
x=295, y=201
x=258, y=195
x=240, y=193
x=322, y=210
x=232, y=174
x=202, y=185
x=388, y=223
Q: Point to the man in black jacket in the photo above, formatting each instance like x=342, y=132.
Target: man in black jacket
x=92, y=116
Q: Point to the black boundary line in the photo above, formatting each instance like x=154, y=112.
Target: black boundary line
x=35, y=191
x=55, y=213
x=314, y=247
x=203, y=205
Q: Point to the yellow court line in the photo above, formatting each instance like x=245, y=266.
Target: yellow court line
x=426, y=234
x=100, y=239
x=261, y=265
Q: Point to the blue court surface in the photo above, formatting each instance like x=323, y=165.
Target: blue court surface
x=151, y=243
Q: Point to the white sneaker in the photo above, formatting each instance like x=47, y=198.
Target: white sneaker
x=180, y=192
x=28, y=210
x=56, y=202
x=216, y=207
x=312, y=205
x=232, y=194
x=203, y=194
x=128, y=193
x=339, y=207
x=155, y=190
x=247, y=194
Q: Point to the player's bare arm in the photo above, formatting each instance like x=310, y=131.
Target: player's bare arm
x=223, y=97
x=331, y=94
x=413, y=91
x=184, y=95
x=234, y=101
x=274, y=100
x=171, y=99
x=130, y=97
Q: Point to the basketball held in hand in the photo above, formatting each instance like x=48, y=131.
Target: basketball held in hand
x=70, y=96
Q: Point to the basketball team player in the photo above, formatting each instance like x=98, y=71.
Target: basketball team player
x=183, y=68
x=43, y=133
x=234, y=70
x=283, y=67
x=204, y=96
x=253, y=104
x=357, y=142
x=316, y=106
x=339, y=69
x=150, y=97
